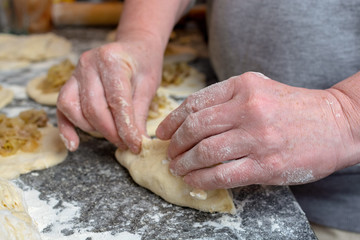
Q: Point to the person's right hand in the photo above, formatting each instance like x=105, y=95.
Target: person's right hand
x=110, y=92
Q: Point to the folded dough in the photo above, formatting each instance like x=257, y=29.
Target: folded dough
x=150, y=169
x=15, y=222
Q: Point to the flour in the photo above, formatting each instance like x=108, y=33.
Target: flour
x=297, y=176
x=55, y=219
x=19, y=91
x=231, y=222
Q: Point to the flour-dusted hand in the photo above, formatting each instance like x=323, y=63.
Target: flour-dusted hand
x=113, y=85
x=111, y=90
x=253, y=130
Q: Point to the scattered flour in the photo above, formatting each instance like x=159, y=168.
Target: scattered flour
x=56, y=222
x=19, y=91
x=233, y=223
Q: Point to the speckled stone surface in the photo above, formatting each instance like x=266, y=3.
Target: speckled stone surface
x=90, y=196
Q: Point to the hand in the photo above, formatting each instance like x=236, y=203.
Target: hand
x=110, y=92
x=253, y=130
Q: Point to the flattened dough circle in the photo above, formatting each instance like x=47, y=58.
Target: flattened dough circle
x=51, y=151
x=40, y=97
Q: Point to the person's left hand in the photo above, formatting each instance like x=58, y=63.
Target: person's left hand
x=253, y=130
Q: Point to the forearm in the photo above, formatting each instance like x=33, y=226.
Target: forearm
x=347, y=93
x=152, y=17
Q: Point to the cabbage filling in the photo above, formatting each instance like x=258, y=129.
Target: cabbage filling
x=56, y=77
x=21, y=133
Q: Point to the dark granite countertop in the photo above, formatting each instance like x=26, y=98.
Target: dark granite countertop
x=90, y=196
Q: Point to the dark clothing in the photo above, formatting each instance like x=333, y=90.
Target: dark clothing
x=312, y=44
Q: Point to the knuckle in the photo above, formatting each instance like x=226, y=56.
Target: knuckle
x=84, y=59
x=273, y=166
x=116, y=103
x=257, y=105
x=190, y=124
x=89, y=111
x=105, y=53
x=204, y=150
x=221, y=178
x=191, y=104
x=248, y=76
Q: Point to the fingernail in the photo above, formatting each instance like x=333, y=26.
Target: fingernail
x=261, y=75
x=173, y=172
x=135, y=149
x=66, y=143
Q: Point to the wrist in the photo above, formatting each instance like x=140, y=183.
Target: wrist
x=148, y=38
x=346, y=113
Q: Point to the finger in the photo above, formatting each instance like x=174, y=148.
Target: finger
x=141, y=101
x=67, y=132
x=95, y=108
x=213, y=95
x=202, y=124
x=233, y=144
x=69, y=104
x=118, y=92
x=241, y=172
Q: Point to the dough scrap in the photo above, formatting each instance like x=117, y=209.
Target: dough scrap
x=51, y=151
x=40, y=97
x=6, y=96
x=150, y=169
x=15, y=222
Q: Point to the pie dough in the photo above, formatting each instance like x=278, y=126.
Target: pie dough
x=33, y=48
x=51, y=151
x=15, y=222
x=169, y=105
x=192, y=83
x=40, y=97
x=150, y=169
x=6, y=96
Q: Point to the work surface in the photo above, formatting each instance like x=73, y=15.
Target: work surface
x=90, y=196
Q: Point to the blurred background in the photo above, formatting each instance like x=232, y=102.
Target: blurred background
x=39, y=16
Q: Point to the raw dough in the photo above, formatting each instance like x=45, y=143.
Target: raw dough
x=40, y=97
x=56, y=77
x=33, y=48
x=6, y=96
x=192, y=83
x=50, y=152
x=150, y=169
x=170, y=105
x=6, y=65
x=15, y=222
